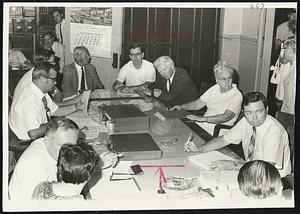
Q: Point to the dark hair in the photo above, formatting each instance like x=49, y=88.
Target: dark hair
x=57, y=10
x=60, y=122
x=254, y=97
x=135, y=45
x=50, y=33
x=42, y=55
x=259, y=179
x=41, y=68
x=76, y=163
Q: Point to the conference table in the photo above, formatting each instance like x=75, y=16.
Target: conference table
x=147, y=191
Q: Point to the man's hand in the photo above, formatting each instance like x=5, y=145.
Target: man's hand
x=176, y=107
x=126, y=90
x=157, y=92
x=79, y=105
x=223, y=165
x=190, y=146
x=196, y=118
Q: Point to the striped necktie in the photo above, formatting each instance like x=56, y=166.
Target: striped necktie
x=251, y=145
x=46, y=108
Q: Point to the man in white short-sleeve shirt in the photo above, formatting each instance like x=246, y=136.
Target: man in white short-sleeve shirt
x=223, y=100
x=33, y=107
x=136, y=74
x=38, y=162
x=262, y=137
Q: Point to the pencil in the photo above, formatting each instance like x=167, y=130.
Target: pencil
x=136, y=183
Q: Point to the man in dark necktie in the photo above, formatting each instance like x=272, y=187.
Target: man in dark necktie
x=81, y=74
x=173, y=85
x=58, y=17
x=262, y=137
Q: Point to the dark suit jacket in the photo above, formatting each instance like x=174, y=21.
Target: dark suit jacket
x=182, y=89
x=70, y=79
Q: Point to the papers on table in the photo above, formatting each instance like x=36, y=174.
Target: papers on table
x=85, y=100
x=106, y=93
x=206, y=159
x=69, y=98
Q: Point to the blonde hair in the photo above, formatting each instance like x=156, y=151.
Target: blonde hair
x=260, y=180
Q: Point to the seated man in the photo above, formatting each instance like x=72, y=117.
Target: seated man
x=38, y=162
x=136, y=74
x=223, y=100
x=262, y=136
x=173, y=86
x=31, y=109
x=81, y=74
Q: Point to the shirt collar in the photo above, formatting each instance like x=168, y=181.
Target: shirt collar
x=78, y=67
x=37, y=91
x=172, y=77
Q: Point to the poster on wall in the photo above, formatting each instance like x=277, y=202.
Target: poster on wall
x=92, y=28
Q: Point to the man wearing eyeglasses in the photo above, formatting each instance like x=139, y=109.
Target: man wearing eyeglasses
x=32, y=108
x=136, y=74
x=223, y=100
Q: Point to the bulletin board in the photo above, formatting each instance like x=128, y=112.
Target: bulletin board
x=92, y=28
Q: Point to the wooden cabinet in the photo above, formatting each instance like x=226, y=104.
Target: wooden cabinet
x=190, y=36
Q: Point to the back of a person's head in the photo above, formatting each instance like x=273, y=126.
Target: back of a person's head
x=60, y=123
x=42, y=55
x=259, y=180
x=76, y=163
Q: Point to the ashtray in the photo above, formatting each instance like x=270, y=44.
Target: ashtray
x=179, y=183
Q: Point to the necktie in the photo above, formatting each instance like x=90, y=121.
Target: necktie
x=82, y=83
x=168, y=84
x=251, y=145
x=61, y=36
x=46, y=108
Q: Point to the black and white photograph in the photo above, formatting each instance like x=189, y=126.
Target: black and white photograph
x=159, y=106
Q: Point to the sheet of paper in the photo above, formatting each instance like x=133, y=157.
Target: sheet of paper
x=71, y=97
x=123, y=166
x=85, y=100
x=205, y=160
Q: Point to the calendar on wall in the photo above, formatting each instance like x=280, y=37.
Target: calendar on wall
x=92, y=28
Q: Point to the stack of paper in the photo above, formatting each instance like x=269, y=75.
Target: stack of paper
x=206, y=159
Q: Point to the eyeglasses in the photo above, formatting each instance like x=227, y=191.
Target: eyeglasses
x=136, y=54
x=224, y=79
x=52, y=78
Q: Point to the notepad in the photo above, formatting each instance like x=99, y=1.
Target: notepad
x=205, y=160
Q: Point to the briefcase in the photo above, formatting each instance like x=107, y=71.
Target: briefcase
x=135, y=146
x=126, y=117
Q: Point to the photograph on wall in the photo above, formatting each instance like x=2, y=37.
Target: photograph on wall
x=92, y=28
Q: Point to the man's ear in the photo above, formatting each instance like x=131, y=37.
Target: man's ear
x=143, y=55
x=267, y=109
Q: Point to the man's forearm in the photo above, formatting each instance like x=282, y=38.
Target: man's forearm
x=37, y=133
x=213, y=144
x=220, y=118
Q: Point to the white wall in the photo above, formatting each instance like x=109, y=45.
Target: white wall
x=104, y=67
x=239, y=43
